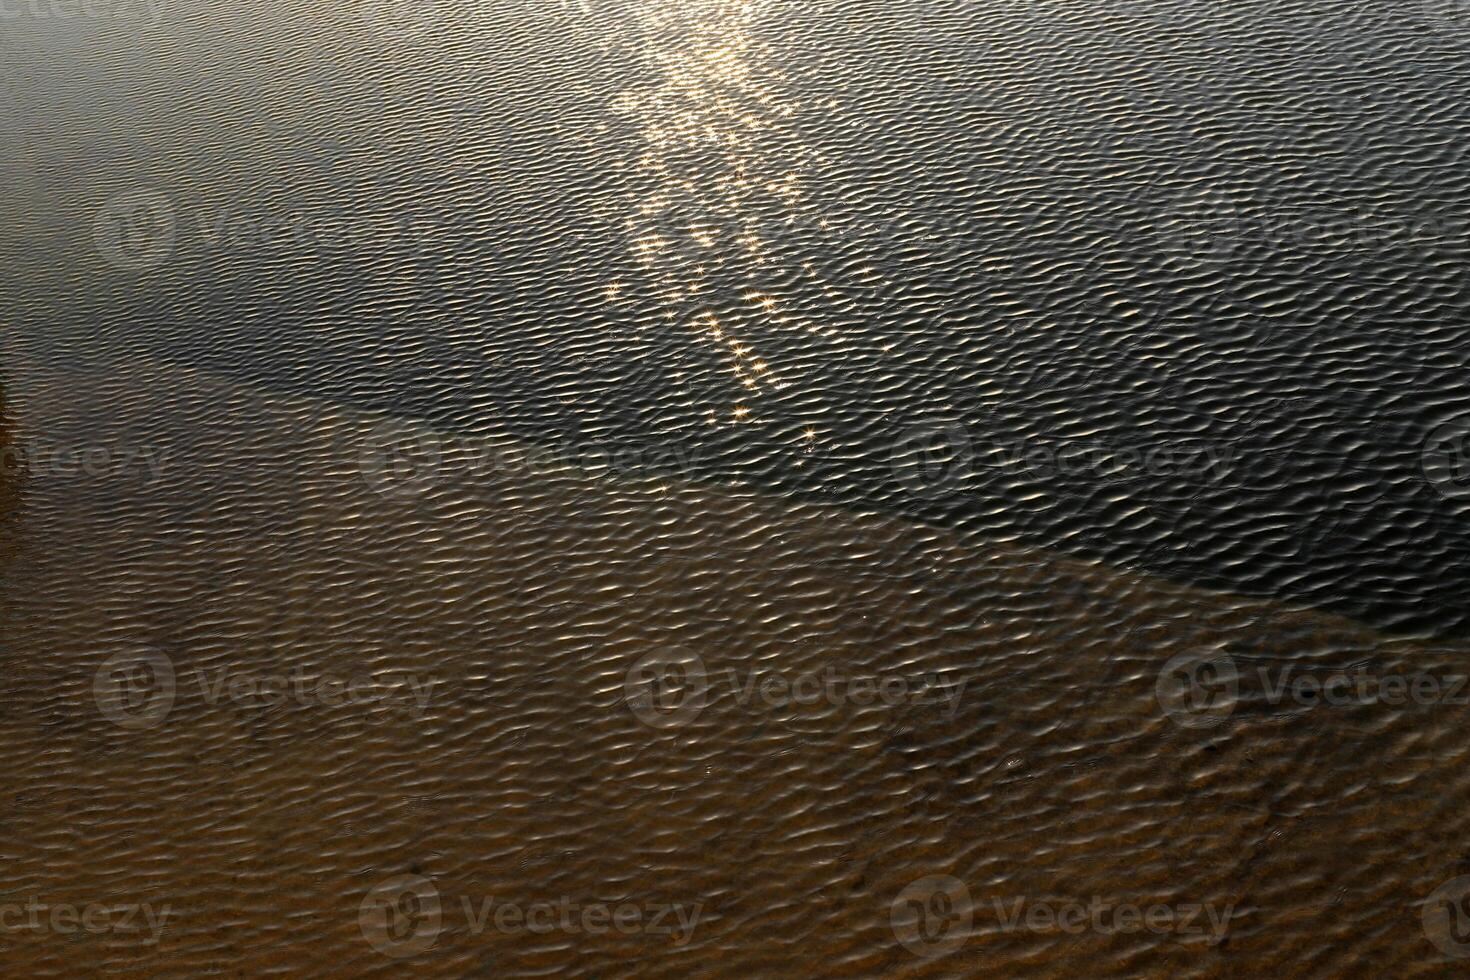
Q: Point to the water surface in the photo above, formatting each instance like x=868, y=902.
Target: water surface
x=540, y=350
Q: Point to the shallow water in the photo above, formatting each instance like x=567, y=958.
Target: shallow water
x=1051, y=387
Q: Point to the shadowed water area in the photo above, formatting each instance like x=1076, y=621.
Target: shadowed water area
x=735, y=488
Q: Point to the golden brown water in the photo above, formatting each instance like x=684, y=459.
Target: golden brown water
x=526, y=777
x=322, y=658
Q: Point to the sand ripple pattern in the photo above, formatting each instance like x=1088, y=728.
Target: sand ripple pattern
x=735, y=488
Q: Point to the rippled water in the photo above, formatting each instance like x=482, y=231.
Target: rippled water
x=743, y=488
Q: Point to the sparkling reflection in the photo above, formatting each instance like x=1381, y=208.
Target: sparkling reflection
x=728, y=234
